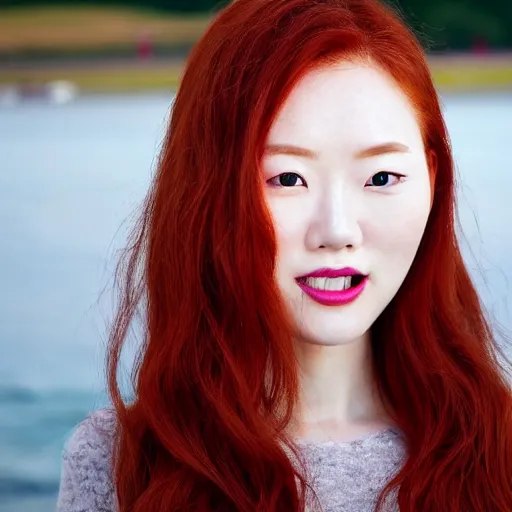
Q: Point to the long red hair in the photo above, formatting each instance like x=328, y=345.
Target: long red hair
x=216, y=379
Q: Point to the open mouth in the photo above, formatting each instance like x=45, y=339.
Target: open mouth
x=332, y=283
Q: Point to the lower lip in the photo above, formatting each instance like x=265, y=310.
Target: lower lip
x=334, y=297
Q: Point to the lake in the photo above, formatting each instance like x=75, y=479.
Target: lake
x=70, y=177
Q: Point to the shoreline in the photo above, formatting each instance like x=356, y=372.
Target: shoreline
x=457, y=72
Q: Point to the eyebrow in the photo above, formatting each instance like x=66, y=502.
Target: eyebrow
x=380, y=149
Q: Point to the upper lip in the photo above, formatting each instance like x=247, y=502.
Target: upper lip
x=333, y=272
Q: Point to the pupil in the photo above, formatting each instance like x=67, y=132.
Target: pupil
x=381, y=178
x=288, y=179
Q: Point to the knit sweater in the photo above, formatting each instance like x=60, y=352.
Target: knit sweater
x=346, y=476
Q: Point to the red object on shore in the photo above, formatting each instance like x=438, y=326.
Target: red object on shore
x=144, y=47
x=480, y=46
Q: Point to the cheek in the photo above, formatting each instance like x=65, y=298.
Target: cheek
x=400, y=227
x=290, y=220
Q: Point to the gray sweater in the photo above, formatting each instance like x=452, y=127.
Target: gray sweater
x=347, y=477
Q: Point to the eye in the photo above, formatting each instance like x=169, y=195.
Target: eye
x=384, y=179
x=287, y=179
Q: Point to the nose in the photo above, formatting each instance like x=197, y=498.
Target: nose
x=334, y=224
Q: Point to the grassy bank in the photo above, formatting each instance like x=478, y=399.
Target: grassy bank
x=89, y=78
x=68, y=29
x=472, y=73
x=456, y=76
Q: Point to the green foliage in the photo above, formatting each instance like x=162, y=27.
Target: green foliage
x=459, y=24
x=162, y=5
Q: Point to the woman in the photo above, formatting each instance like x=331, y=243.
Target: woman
x=312, y=337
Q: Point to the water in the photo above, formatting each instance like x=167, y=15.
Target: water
x=70, y=175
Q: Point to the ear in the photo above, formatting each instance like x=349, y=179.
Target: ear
x=432, y=168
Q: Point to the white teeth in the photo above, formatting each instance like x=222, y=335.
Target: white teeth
x=330, y=283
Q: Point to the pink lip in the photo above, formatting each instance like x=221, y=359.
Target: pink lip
x=333, y=297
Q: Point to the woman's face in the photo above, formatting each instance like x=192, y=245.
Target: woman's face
x=347, y=183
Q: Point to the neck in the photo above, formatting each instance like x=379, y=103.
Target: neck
x=337, y=390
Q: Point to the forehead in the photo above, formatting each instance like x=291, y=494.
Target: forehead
x=348, y=102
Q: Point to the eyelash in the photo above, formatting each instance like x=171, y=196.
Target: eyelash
x=399, y=177
x=273, y=183
x=276, y=178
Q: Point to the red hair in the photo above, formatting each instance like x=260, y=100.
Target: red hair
x=216, y=379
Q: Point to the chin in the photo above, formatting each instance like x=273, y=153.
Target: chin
x=326, y=332
x=334, y=325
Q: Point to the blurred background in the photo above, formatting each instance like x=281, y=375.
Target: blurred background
x=85, y=94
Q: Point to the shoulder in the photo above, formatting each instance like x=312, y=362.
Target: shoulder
x=86, y=474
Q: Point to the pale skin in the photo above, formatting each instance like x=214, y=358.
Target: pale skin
x=357, y=192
